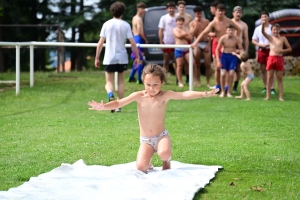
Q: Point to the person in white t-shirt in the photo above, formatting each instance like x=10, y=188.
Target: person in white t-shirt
x=262, y=43
x=115, y=32
x=165, y=32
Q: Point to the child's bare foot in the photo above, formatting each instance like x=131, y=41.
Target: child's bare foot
x=248, y=99
x=150, y=167
x=238, y=97
x=166, y=165
x=229, y=95
x=267, y=98
x=222, y=94
x=281, y=99
x=180, y=85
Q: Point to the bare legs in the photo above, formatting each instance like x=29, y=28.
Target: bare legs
x=109, y=86
x=270, y=82
x=244, y=89
x=146, y=152
x=223, y=78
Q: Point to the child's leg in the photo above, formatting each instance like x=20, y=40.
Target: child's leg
x=144, y=157
x=242, y=91
x=230, y=78
x=164, y=151
x=223, y=77
x=179, y=63
x=270, y=77
x=120, y=85
x=140, y=71
x=279, y=75
x=246, y=84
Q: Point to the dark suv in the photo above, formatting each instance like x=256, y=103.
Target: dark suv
x=151, y=19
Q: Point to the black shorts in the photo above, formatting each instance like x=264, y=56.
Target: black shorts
x=115, y=68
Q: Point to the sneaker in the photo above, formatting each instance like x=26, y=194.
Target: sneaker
x=264, y=90
x=273, y=91
x=111, y=98
x=131, y=80
x=139, y=82
x=234, y=91
x=118, y=110
x=212, y=87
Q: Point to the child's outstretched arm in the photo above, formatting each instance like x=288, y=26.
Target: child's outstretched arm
x=237, y=55
x=113, y=104
x=264, y=32
x=190, y=94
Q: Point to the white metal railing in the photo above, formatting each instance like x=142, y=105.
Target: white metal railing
x=31, y=45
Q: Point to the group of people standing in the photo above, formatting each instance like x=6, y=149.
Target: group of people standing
x=229, y=44
x=224, y=40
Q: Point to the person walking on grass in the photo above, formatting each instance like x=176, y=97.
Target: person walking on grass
x=152, y=105
x=247, y=72
x=115, y=32
x=275, y=61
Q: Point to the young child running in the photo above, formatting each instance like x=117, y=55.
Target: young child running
x=247, y=72
x=151, y=106
x=275, y=61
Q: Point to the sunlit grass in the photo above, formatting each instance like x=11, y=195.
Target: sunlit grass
x=257, y=142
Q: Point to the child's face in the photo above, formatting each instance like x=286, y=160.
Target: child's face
x=181, y=8
x=152, y=84
x=229, y=31
x=275, y=31
x=179, y=23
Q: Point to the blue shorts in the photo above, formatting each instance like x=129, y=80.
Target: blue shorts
x=228, y=61
x=138, y=40
x=179, y=52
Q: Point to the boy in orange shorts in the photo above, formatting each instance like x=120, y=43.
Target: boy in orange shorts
x=275, y=61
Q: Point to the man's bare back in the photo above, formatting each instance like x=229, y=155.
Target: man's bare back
x=138, y=27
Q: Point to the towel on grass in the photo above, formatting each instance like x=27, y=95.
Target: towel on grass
x=123, y=181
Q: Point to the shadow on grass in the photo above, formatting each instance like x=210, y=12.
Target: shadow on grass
x=42, y=107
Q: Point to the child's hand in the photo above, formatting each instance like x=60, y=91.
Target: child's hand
x=95, y=105
x=211, y=93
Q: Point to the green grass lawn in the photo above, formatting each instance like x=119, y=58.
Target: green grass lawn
x=257, y=141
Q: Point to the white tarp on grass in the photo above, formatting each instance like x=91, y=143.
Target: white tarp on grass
x=81, y=181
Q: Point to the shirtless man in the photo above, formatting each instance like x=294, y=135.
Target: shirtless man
x=182, y=36
x=165, y=33
x=187, y=19
x=237, y=15
x=275, y=61
x=139, y=38
x=228, y=61
x=219, y=24
x=196, y=27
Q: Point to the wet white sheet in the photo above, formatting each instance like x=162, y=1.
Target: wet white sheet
x=123, y=181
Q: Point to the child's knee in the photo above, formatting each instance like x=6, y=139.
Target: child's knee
x=165, y=155
x=142, y=166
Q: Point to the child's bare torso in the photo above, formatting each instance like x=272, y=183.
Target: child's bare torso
x=275, y=45
x=246, y=67
x=183, y=31
x=151, y=113
x=230, y=44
